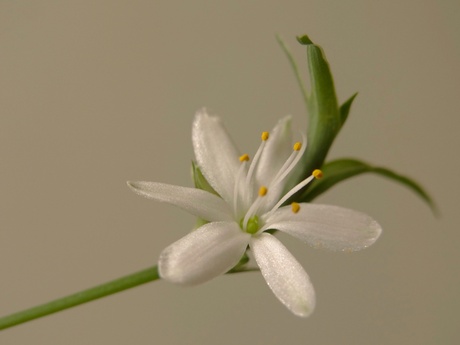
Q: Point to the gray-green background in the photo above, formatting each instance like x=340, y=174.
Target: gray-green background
x=95, y=93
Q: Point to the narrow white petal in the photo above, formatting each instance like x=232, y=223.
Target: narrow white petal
x=331, y=227
x=276, y=152
x=284, y=275
x=195, y=201
x=203, y=254
x=216, y=154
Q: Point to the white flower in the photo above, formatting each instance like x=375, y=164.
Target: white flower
x=250, y=201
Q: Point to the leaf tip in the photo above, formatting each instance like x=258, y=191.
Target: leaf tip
x=434, y=208
x=304, y=40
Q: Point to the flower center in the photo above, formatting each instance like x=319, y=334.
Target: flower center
x=244, y=186
x=253, y=225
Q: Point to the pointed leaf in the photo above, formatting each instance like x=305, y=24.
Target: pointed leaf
x=345, y=108
x=304, y=40
x=342, y=169
x=324, y=114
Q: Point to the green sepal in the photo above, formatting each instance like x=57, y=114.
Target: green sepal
x=345, y=109
x=342, y=169
x=200, y=181
x=200, y=222
x=243, y=261
x=241, y=265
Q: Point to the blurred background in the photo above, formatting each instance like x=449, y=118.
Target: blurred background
x=95, y=93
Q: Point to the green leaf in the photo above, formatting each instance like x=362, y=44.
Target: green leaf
x=304, y=40
x=324, y=114
x=342, y=169
x=345, y=109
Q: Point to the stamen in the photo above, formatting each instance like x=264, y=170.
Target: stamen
x=291, y=162
x=295, y=207
x=317, y=174
x=294, y=190
x=244, y=157
x=282, y=172
x=255, y=206
x=254, y=162
x=263, y=191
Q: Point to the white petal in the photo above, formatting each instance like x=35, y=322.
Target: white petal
x=331, y=227
x=195, y=201
x=284, y=275
x=215, y=153
x=205, y=253
x=276, y=152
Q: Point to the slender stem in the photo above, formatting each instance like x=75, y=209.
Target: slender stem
x=294, y=67
x=109, y=288
x=114, y=286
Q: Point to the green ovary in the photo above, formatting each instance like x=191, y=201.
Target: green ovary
x=253, y=225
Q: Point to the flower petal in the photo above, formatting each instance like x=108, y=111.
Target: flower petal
x=332, y=227
x=205, y=253
x=276, y=152
x=195, y=201
x=284, y=275
x=216, y=154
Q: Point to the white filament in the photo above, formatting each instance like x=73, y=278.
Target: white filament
x=254, y=163
x=292, y=192
x=237, y=187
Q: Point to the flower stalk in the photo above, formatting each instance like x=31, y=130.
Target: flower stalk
x=110, y=288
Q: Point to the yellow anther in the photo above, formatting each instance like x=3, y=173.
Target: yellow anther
x=262, y=191
x=295, y=207
x=317, y=173
x=264, y=136
x=297, y=146
x=244, y=157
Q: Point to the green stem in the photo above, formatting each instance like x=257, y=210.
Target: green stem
x=114, y=286
x=294, y=67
